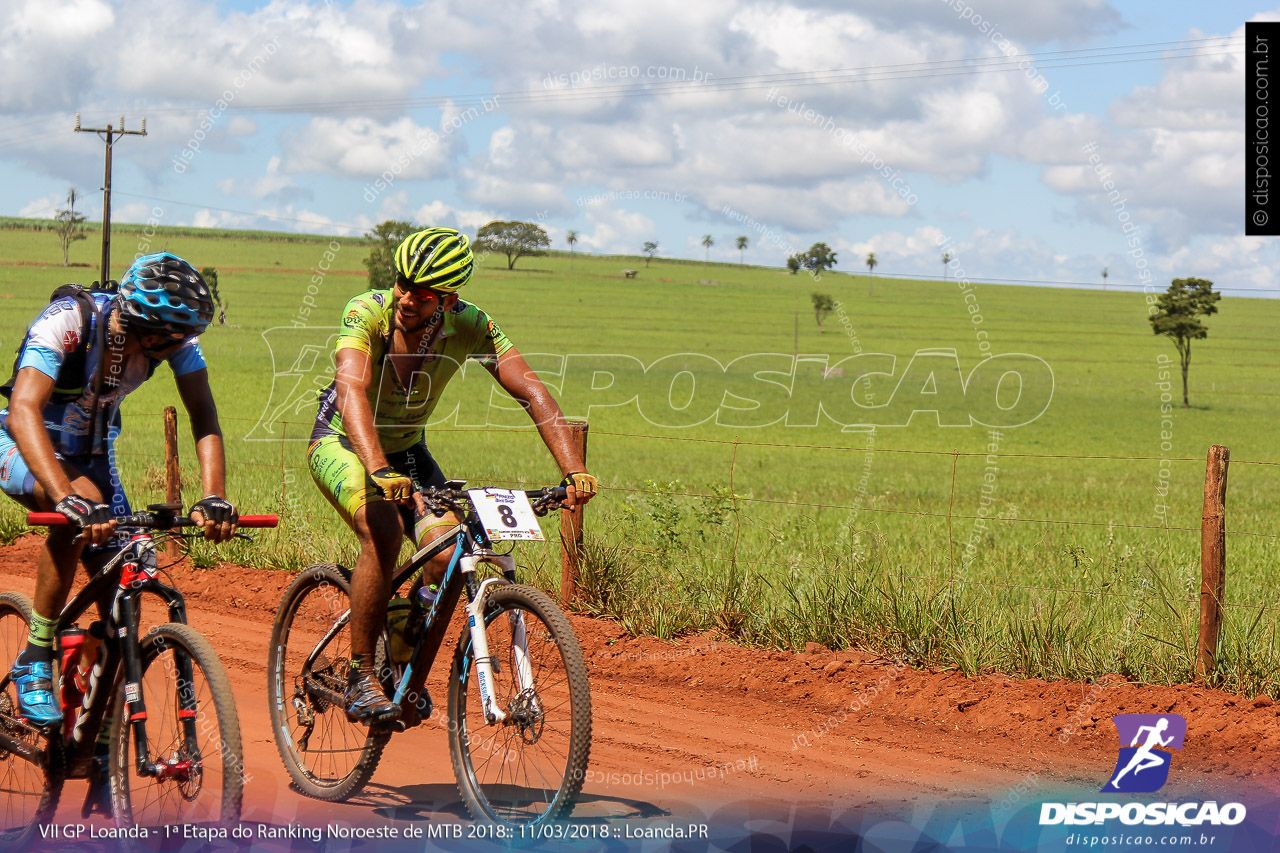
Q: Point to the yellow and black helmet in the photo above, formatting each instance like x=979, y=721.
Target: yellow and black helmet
x=438, y=258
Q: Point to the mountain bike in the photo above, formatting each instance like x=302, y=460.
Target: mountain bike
x=519, y=705
x=175, y=753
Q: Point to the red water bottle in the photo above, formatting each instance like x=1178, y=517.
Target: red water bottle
x=72, y=639
x=88, y=655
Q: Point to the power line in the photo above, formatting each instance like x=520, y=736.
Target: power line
x=1187, y=49
x=316, y=222
x=109, y=135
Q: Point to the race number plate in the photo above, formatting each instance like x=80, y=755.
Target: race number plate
x=506, y=514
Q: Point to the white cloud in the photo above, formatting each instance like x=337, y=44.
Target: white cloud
x=397, y=205
x=270, y=184
x=616, y=231
x=207, y=218
x=43, y=208
x=33, y=31
x=1173, y=144
x=439, y=213
x=242, y=126
x=365, y=148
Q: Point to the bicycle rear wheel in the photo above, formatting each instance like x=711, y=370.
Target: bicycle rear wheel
x=29, y=786
x=327, y=756
x=193, y=737
x=528, y=768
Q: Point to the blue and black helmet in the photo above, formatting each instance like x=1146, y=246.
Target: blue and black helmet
x=164, y=293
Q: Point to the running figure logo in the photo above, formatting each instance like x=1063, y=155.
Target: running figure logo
x=1143, y=765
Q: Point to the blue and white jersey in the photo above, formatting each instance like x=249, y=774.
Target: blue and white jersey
x=52, y=337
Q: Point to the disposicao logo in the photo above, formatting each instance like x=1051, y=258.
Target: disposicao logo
x=1143, y=767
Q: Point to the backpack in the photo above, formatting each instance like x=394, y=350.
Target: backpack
x=68, y=386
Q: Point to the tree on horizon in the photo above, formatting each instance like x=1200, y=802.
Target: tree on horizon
x=69, y=225
x=650, y=251
x=1177, y=317
x=513, y=239
x=381, y=262
x=818, y=259
x=823, y=305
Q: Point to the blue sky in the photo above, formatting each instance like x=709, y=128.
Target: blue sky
x=326, y=97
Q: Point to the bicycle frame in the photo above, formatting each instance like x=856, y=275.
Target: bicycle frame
x=471, y=548
x=125, y=577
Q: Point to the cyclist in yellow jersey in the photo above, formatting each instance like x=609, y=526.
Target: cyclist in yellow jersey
x=397, y=350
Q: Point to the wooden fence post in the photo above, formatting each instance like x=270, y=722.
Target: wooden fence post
x=172, y=473
x=1213, y=558
x=571, y=527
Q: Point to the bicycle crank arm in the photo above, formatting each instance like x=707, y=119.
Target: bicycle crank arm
x=22, y=749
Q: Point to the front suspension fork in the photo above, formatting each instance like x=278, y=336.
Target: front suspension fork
x=485, y=665
x=135, y=705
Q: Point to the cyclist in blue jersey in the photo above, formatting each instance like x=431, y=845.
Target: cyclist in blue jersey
x=78, y=361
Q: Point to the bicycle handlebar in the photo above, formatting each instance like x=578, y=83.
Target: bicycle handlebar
x=148, y=520
x=543, y=500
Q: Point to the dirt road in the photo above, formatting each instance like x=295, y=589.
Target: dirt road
x=752, y=741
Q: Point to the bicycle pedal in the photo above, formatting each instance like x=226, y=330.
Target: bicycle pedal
x=390, y=726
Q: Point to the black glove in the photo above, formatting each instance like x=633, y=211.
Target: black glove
x=83, y=512
x=216, y=509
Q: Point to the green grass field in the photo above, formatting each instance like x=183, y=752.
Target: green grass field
x=817, y=540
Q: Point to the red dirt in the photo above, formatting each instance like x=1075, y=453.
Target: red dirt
x=659, y=707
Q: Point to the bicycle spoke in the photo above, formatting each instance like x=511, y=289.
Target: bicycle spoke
x=523, y=769
x=337, y=755
x=193, y=783
x=27, y=789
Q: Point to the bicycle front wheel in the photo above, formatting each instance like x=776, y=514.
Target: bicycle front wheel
x=529, y=767
x=31, y=778
x=196, y=763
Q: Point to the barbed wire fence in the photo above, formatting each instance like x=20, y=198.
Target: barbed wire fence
x=1211, y=601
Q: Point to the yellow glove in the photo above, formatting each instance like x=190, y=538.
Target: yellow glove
x=583, y=483
x=394, y=485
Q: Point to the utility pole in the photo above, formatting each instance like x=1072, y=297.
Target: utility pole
x=111, y=135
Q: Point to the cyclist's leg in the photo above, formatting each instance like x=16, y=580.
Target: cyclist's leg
x=428, y=529
x=55, y=572
x=104, y=473
x=346, y=485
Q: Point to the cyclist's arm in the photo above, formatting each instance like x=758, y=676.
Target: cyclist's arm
x=354, y=376
x=518, y=379
x=31, y=393
x=197, y=398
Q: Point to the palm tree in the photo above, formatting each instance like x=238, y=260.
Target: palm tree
x=946, y=259
x=871, y=268
x=708, y=242
x=742, y=248
x=571, y=238
x=1104, y=278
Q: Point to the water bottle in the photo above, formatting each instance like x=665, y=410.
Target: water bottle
x=89, y=655
x=397, y=618
x=70, y=639
x=427, y=596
